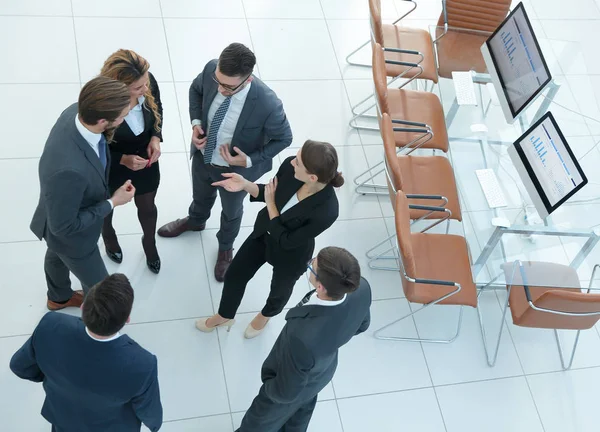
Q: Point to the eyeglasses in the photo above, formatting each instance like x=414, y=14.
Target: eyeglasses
x=309, y=266
x=227, y=86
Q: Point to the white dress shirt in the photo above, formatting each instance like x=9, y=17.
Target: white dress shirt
x=314, y=300
x=93, y=140
x=225, y=133
x=291, y=203
x=112, y=338
x=135, y=118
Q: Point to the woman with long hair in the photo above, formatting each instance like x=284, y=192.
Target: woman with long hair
x=135, y=149
x=300, y=204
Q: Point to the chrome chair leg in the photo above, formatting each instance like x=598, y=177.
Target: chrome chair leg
x=560, y=350
x=377, y=335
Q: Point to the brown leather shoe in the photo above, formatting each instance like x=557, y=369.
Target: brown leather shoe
x=223, y=260
x=178, y=227
x=76, y=300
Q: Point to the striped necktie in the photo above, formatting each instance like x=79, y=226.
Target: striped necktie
x=102, y=151
x=306, y=298
x=211, y=142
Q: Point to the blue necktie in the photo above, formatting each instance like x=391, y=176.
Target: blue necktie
x=305, y=299
x=211, y=142
x=102, y=151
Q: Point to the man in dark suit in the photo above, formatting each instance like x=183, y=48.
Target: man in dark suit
x=95, y=379
x=238, y=125
x=74, y=196
x=304, y=357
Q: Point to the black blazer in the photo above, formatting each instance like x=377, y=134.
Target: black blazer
x=304, y=357
x=126, y=142
x=290, y=237
x=262, y=130
x=90, y=386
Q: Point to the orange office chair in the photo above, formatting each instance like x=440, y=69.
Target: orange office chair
x=418, y=119
x=459, y=51
x=544, y=307
x=435, y=268
x=424, y=180
x=410, y=52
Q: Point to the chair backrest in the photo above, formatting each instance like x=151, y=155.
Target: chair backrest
x=563, y=301
x=394, y=180
x=375, y=19
x=380, y=78
x=402, y=218
x=482, y=15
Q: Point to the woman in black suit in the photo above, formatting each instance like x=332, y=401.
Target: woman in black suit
x=135, y=149
x=301, y=204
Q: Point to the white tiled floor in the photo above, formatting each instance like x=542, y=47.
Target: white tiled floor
x=50, y=47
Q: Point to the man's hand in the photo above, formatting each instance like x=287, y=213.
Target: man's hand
x=134, y=162
x=239, y=160
x=198, y=137
x=153, y=150
x=124, y=194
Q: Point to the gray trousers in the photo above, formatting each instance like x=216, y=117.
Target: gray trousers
x=204, y=196
x=264, y=415
x=88, y=269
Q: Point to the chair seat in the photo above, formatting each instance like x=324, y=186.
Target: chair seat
x=409, y=39
x=421, y=107
x=460, y=52
x=441, y=257
x=551, y=296
x=429, y=175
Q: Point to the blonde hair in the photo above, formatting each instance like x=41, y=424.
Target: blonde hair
x=127, y=66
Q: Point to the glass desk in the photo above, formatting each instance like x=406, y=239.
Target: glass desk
x=479, y=138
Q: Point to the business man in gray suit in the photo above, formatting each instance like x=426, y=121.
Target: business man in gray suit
x=304, y=357
x=238, y=125
x=74, y=198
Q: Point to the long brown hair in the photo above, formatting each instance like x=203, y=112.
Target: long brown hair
x=320, y=158
x=127, y=66
x=102, y=98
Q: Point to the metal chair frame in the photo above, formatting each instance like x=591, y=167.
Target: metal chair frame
x=494, y=354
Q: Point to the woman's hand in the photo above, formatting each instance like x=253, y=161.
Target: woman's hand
x=154, y=150
x=134, y=162
x=233, y=183
x=270, y=191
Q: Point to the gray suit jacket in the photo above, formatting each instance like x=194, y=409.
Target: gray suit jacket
x=262, y=130
x=304, y=357
x=73, y=191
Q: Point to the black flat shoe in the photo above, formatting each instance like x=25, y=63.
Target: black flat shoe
x=114, y=256
x=154, y=266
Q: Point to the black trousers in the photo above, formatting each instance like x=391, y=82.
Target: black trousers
x=88, y=269
x=204, y=196
x=246, y=262
x=265, y=415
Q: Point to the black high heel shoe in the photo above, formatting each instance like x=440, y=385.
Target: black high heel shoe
x=116, y=257
x=153, y=265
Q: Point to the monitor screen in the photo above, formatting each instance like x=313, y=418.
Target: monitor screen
x=518, y=60
x=550, y=163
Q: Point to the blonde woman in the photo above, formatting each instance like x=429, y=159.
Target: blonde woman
x=135, y=149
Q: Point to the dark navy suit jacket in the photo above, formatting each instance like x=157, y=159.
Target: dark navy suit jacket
x=91, y=386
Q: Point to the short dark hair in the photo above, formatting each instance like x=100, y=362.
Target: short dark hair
x=237, y=60
x=107, y=305
x=338, y=271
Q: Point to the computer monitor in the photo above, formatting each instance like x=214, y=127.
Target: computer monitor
x=516, y=64
x=546, y=165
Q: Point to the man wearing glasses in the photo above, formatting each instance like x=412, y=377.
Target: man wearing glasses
x=305, y=355
x=238, y=125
